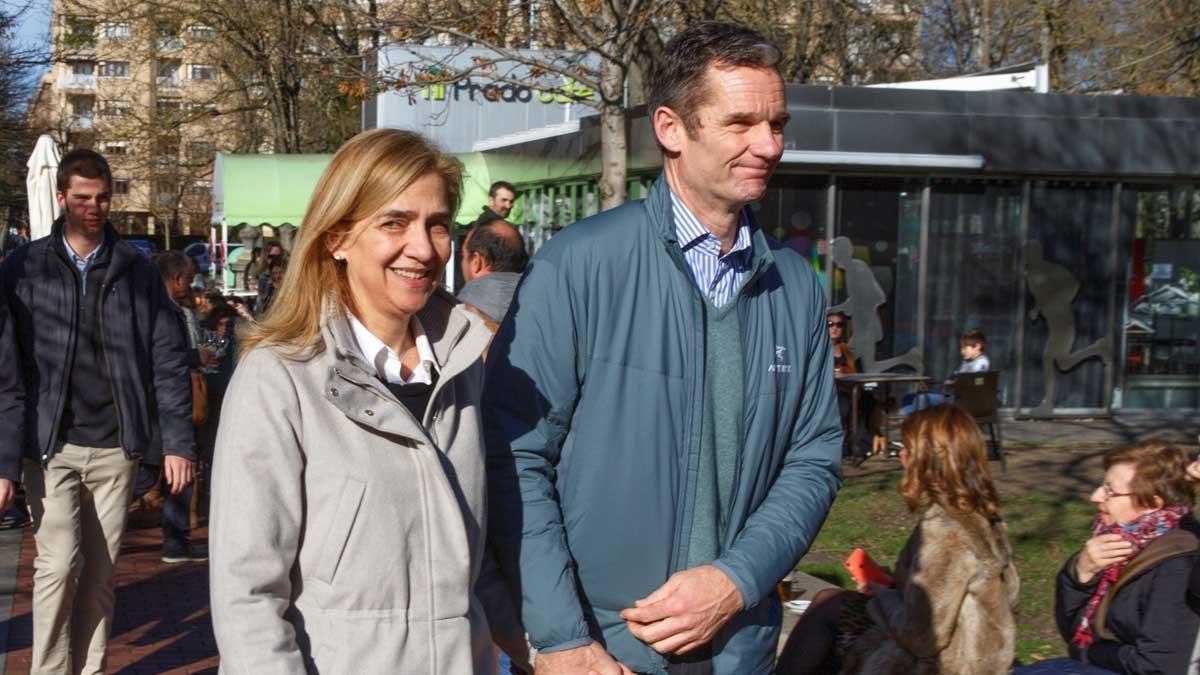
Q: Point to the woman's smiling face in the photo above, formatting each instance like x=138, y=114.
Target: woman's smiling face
x=396, y=256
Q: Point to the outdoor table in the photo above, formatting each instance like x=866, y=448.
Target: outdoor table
x=858, y=380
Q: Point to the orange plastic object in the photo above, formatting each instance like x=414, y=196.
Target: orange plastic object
x=862, y=569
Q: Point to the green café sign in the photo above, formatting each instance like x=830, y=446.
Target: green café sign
x=468, y=89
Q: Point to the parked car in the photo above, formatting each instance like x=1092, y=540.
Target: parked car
x=198, y=252
x=147, y=247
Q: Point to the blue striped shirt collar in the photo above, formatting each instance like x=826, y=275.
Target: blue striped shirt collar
x=689, y=231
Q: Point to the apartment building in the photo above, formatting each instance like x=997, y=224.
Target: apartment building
x=145, y=92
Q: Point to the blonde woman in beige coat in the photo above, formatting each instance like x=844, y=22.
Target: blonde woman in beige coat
x=347, y=527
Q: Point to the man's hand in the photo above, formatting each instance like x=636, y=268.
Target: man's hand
x=8, y=491
x=686, y=612
x=587, y=660
x=179, y=472
x=1098, y=553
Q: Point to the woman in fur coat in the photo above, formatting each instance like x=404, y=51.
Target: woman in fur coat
x=952, y=605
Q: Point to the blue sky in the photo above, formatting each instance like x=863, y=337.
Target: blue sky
x=34, y=27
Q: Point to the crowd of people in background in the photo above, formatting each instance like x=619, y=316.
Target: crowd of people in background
x=600, y=460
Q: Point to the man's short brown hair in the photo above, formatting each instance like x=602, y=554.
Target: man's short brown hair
x=679, y=80
x=85, y=164
x=1160, y=470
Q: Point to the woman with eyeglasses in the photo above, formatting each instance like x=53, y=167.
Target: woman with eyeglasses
x=843, y=358
x=843, y=364
x=1121, y=603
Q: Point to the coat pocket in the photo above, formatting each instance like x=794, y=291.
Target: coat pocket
x=349, y=500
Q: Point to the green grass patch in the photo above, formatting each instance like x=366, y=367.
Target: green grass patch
x=1045, y=528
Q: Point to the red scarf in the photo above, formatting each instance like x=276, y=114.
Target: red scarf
x=1139, y=533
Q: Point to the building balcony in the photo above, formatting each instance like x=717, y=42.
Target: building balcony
x=77, y=81
x=169, y=45
x=83, y=122
x=168, y=84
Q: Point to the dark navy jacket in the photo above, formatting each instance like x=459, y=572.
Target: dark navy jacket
x=592, y=423
x=144, y=343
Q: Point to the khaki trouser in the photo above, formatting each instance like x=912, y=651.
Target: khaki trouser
x=79, y=504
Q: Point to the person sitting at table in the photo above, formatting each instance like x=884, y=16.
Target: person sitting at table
x=972, y=346
x=951, y=606
x=844, y=364
x=843, y=358
x=1121, y=600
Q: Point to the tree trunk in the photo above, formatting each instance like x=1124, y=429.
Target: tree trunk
x=613, y=141
x=985, y=29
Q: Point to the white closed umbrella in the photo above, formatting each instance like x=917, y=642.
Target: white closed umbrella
x=40, y=187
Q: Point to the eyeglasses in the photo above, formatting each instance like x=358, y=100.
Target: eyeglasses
x=1109, y=494
x=831, y=324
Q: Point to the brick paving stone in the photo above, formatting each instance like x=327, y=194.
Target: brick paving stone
x=162, y=622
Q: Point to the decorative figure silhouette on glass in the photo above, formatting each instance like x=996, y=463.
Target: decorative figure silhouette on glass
x=1054, y=290
x=864, y=297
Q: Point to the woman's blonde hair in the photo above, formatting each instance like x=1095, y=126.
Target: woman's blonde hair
x=366, y=174
x=947, y=464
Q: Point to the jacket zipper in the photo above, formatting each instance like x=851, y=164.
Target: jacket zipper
x=737, y=467
x=69, y=365
x=108, y=366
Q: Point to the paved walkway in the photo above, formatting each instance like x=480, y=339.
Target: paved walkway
x=163, y=624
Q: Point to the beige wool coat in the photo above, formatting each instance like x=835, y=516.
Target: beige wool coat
x=346, y=536
x=953, y=608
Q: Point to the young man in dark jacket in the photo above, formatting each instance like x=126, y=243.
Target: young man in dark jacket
x=102, y=360
x=500, y=200
x=660, y=415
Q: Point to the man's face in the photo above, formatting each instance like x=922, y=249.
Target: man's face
x=180, y=287
x=501, y=202
x=729, y=156
x=86, y=202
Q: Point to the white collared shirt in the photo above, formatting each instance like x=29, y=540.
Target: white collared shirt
x=82, y=263
x=718, y=276
x=387, y=362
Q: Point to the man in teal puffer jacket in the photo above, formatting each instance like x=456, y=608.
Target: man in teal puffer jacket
x=660, y=417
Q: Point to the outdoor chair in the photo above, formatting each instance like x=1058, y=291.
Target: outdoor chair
x=978, y=394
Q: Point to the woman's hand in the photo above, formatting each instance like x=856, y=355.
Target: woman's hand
x=1193, y=470
x=874, y=587
x=1100, y=552
x=871, y=588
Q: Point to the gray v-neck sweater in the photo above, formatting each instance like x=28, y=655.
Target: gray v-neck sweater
x=720, y=433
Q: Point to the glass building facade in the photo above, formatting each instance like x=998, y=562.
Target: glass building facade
x=950, y=255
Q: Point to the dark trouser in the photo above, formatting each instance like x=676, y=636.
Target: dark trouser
x=1061, y=667
x=698, y=662
x=176, y=519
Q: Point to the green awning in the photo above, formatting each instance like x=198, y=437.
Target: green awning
x=258, y=189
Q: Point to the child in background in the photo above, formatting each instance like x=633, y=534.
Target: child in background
x=971, y=346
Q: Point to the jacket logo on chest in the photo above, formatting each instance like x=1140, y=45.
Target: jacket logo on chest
x=781, y=365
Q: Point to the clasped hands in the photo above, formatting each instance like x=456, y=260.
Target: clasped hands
x=682, y=615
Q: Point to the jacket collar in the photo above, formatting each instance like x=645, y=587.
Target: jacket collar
x=458, y=337
x=120, y=255
x=662, y=219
